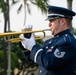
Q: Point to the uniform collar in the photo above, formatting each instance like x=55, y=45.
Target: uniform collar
x=63, y=32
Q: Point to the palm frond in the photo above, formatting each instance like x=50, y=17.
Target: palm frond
x=41, y=4
x=28, y=8
x=13, y=1
x=2, y=5
x=19, y=9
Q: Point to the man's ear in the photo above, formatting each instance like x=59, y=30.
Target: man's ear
x=63, y=21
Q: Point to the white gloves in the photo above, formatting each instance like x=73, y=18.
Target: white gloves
x=28, y=43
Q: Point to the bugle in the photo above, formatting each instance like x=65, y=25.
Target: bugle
x=23, y=32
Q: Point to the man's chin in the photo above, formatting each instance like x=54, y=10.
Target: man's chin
x=52, y=33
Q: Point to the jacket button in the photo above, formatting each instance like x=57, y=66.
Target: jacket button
x=46, y=47
x=40, y=71
x=49, y=42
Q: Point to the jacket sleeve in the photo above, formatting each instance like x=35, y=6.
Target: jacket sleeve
x=53, y=58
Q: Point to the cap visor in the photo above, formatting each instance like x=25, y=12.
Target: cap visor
x=51, y=18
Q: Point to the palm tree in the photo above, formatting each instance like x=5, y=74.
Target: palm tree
x=41, y=4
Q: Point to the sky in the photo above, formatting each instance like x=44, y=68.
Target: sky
x=36, y=18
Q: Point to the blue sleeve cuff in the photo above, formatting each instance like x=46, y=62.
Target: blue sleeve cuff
x=33, y=51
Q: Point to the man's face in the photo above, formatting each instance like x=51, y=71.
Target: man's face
x=55, y=26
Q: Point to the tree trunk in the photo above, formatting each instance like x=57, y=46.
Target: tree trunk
x=69, y=6
x=5, y=58
x=4, y=46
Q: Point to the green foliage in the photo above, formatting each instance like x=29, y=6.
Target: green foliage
x=74, y=31
x=14, y=59
x=1, y=46
x=39, y=42
x=3, y=5
x=41, y=4
x=1, y=59
x=16, y=53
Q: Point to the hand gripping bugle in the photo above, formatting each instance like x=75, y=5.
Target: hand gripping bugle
x=23, y=32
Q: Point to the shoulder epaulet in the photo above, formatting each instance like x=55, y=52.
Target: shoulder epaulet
x=67, y=38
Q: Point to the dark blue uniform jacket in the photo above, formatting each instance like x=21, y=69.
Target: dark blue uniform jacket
x=57, y=56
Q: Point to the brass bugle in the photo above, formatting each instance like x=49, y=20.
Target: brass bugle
x=23, y=32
